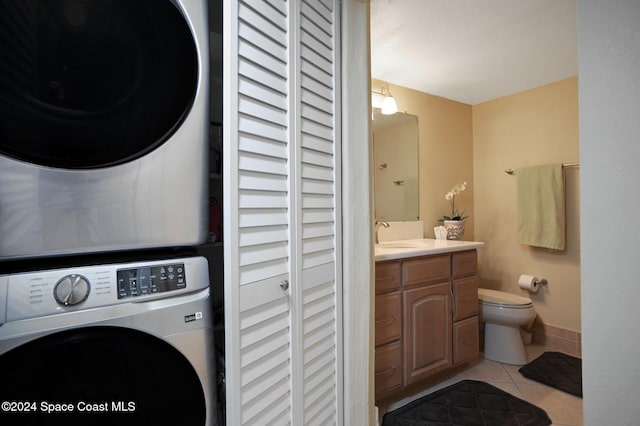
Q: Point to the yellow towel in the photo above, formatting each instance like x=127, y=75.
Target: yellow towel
x=541, y=206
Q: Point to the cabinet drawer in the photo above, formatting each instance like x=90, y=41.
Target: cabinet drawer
x=388, y=318
x=425, y=269
x=466, y=339
x=388, y=368
x=388, y=276
x=465, y=294
x=464, y=263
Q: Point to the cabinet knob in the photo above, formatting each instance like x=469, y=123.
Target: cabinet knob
x=284, y=285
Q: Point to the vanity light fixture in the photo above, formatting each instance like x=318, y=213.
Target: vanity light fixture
x=384, y=101
x=389, y=105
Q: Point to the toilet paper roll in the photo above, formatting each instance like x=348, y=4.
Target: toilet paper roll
x=529, y=283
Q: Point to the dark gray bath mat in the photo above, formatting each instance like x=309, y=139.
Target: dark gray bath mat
x=468, y=403
x=558, y=370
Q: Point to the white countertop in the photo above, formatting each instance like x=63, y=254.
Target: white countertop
x=399, y=249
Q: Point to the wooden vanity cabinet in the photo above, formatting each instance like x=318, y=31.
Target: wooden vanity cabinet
x=426, y=318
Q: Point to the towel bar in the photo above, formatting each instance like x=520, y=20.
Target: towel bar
x=513, y=172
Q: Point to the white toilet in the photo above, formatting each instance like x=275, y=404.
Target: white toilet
x=503, y=314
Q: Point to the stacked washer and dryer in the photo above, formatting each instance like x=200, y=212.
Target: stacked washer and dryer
x=105, y=313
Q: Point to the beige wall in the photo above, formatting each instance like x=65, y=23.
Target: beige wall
x=445, y=153
x=533, y=127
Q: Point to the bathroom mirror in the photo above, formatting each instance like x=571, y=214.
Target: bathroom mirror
x=395, y=151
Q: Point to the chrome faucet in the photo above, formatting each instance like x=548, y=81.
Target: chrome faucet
x=378, y=225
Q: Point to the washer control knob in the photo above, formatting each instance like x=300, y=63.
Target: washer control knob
x=71, y=290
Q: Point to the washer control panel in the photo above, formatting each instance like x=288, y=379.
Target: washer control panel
x=56, y=291
x=134, y=282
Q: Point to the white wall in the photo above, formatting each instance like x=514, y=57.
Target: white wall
x=609, y=87
x=357, y=210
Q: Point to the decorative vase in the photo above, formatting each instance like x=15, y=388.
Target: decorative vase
x=455, y=229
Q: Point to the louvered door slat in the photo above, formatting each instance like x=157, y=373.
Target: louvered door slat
x=259, y=56
x=265, y=112
x=311, y=70
x=316, y=88
x=316, y=201
x=257, y=162
x=312, y=230
x=317, y=144
x=273, y=42
x=261, y=199
x=312, y=113
x=262, y=181
x=310, y=156
x=253, y=127
x=318, y=102
x=263, y=235
x=317, y=187
x=321, y=411
x=274, y=99
x=256, y=218
x=256, y=271
x=257, y=73
x=317, y=172
x=270, y=16
x=314, y=44
x=318, y=20
x=250, y=142
x=315, y=129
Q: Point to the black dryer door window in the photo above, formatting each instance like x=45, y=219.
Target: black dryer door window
x=109, y=375
x=87, y=84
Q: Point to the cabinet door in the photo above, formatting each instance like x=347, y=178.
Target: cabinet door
x=427, y=331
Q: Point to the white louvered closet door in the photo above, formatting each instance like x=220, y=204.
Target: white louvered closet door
x=282, y=213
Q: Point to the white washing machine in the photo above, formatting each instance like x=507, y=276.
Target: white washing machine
x=126, y=343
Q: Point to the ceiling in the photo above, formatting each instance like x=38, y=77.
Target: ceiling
x=472, y=51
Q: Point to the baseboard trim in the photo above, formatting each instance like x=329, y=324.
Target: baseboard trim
x=557, y=338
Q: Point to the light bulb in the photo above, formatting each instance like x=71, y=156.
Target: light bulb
x=389, y=106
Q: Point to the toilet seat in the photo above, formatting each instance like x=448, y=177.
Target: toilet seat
x=501, y=299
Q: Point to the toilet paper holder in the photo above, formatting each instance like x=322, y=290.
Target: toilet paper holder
x=542, y=281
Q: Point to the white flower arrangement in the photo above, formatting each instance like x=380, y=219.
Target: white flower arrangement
x=451, y=197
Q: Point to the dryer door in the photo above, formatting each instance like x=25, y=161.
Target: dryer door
x=86, y=84
x=101, y=376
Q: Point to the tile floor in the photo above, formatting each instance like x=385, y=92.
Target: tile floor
x=563, y=408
